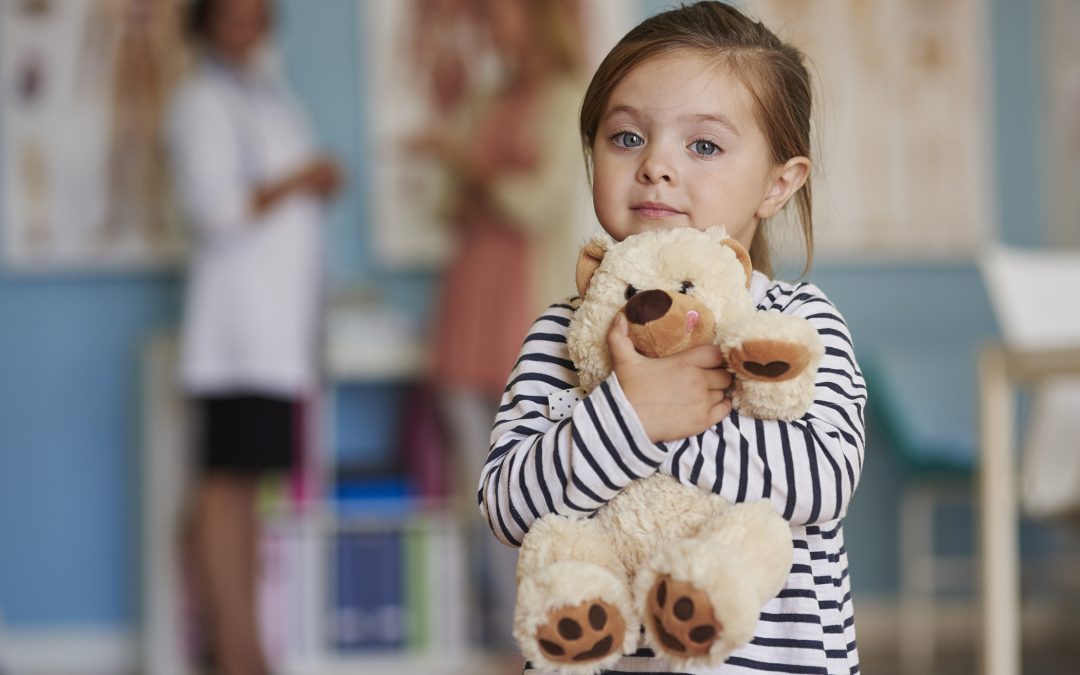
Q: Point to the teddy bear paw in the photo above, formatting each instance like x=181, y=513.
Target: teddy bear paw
x=681, y=618
x=769, y=360
x=580, y=634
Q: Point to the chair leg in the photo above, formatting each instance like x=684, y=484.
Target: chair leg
x=918, y=583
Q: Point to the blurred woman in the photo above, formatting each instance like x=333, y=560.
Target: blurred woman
x=518, y=204
x=252, y=186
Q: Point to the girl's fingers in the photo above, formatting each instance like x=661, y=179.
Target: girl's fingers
x=719, y=412
x=705, y=356
x=619, y=344
x=718, y=379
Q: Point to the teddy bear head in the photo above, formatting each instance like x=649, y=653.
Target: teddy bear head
x=675, y=287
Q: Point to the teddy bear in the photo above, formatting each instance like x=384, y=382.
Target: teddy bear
x=682, y=567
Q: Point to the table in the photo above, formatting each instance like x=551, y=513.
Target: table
x=1001, y=371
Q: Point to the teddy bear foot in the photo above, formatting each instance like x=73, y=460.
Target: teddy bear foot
x=682, y=619
x=769, y=360
x=574, y=616
x=582, y=634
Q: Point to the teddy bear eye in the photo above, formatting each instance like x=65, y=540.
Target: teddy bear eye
x=686, y=286
x=630, y=291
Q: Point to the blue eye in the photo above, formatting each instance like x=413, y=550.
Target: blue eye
x=705, y=148
x=628, y=139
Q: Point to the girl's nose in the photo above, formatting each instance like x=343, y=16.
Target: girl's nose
x=655, y=172
x=655, y=168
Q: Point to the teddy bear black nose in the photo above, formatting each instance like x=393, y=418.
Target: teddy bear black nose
x=647, y=306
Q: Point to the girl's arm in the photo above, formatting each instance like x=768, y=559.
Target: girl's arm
x=570, y=466
x=808, y=468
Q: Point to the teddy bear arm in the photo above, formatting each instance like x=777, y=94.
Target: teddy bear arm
x=771, y=347
x=774, y=358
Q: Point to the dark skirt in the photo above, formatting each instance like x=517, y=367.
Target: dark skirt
x=248, y=434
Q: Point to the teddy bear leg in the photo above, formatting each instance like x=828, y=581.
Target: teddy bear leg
x=574, y=610
x=701, y=597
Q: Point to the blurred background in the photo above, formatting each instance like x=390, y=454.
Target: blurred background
x=948, y=128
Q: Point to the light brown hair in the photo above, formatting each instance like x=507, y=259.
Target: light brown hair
x=771, y=70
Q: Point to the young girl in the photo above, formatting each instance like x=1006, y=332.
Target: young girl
x=698, y=117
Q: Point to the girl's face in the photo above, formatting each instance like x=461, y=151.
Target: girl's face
x=678, y=145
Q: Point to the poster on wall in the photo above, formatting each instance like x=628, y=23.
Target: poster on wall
x=84, y=85
x=901, y=128
x=423, y=58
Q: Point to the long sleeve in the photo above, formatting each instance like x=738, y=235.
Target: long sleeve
x=809, y=467
x=207, y=162
x=573, y=466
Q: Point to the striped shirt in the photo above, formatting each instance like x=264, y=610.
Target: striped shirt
x=807, y=468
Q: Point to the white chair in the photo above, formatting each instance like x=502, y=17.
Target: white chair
x=1036, y=297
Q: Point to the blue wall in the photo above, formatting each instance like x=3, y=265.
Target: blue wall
x=1018, y=118
x=68, y=402
x=69, y=395
x=328, y=68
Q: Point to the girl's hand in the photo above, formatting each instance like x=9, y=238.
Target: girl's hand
x=676, y=396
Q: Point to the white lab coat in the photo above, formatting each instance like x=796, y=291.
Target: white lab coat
x=254, y=283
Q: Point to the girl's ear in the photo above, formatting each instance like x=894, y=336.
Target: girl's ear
x=786, y=181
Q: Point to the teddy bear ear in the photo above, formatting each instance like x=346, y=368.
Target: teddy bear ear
x=589, y=260
x=743, y=257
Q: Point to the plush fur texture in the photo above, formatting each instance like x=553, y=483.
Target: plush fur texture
x=693, y=569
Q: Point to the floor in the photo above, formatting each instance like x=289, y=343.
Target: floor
x=1059, y=658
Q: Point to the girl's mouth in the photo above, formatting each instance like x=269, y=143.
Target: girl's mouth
x=655, y=210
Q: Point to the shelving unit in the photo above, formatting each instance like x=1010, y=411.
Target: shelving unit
x=298, y=589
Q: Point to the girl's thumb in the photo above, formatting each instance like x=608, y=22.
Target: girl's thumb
x=620, y=346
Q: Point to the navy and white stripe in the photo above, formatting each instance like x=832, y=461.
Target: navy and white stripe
x=807, y=468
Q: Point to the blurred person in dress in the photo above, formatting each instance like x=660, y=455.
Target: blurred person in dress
x=519, y=203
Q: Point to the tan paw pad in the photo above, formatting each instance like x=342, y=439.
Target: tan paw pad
x=771, y=360
x=681, y=618
x=580, y=633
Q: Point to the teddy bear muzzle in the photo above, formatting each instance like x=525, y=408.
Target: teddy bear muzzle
x=662, y=324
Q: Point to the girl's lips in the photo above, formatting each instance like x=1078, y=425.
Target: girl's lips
x=655, y=210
